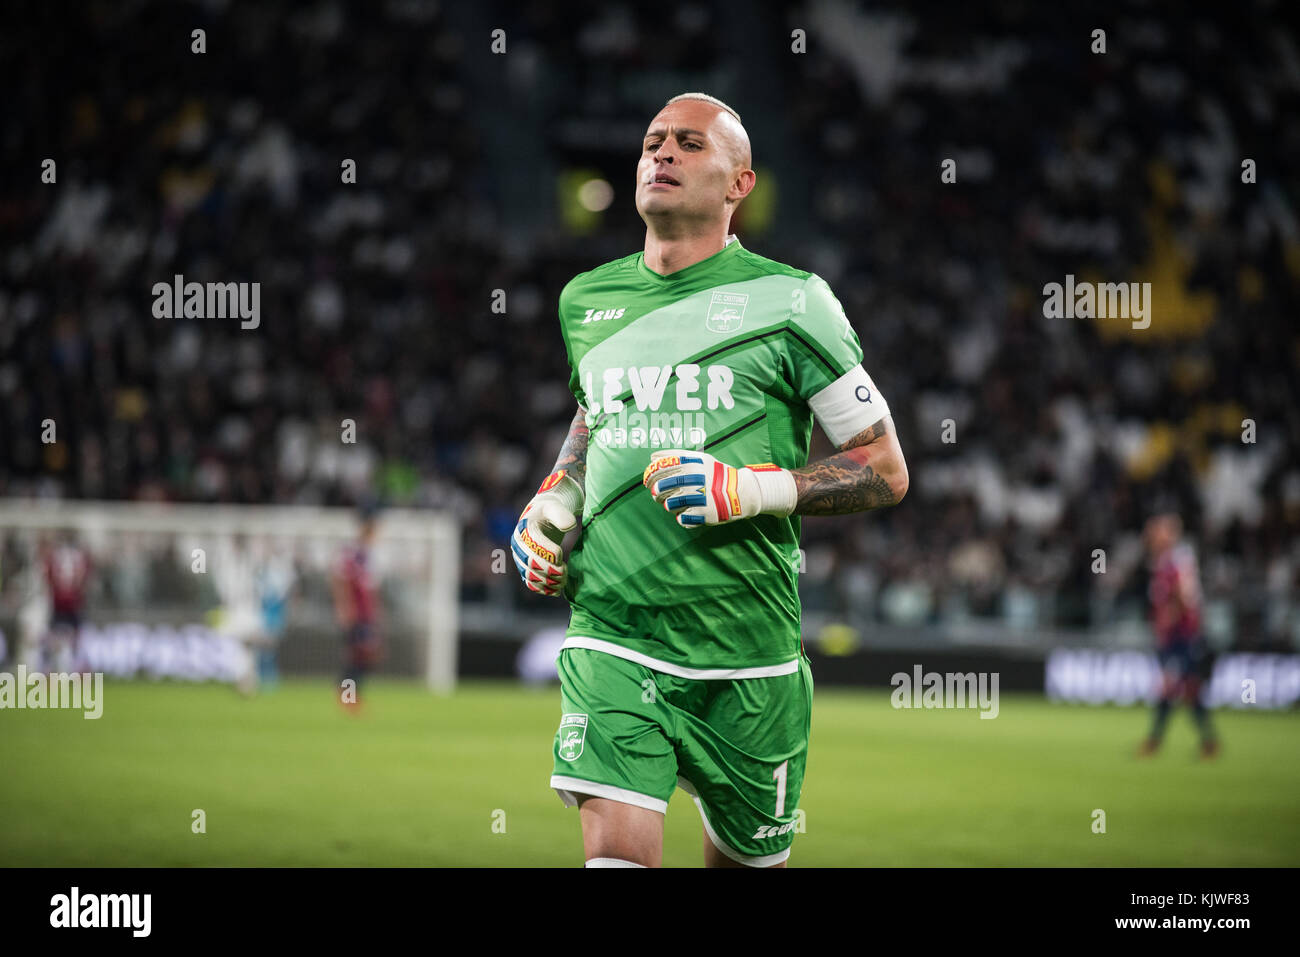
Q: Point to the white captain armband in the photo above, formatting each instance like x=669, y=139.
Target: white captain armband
x=848, y=405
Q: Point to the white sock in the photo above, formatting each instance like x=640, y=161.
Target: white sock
x=610, y=862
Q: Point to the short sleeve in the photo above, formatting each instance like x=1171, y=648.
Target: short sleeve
x=827, y=360
x=823, y=345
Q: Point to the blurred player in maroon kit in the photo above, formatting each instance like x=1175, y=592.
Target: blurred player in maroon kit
x=67, y=569
x=1175, y=593
x=356, y=606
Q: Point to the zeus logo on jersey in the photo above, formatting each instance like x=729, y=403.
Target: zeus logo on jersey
x=596, y=315
x=649, y=383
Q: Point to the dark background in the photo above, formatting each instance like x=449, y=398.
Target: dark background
x=376, y=297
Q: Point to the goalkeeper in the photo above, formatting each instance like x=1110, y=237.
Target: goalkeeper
x=698, y=368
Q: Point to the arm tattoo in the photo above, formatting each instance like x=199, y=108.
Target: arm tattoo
x=848, y=481
x=573, y=453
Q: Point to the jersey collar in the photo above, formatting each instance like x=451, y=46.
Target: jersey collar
x=723, y=255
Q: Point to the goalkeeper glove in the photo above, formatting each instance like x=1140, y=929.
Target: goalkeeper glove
x=700, y=490
x=536, y=541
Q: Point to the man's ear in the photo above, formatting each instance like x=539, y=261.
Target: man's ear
x=741, y=186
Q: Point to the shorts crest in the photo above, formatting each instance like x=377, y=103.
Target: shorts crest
x=573, y=736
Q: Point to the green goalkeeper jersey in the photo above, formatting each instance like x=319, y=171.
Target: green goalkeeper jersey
x=722, y=356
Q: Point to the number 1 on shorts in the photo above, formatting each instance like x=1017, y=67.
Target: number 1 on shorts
x=779, y=776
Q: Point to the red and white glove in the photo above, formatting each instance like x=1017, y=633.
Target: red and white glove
x=699, y=490
x=536, y=542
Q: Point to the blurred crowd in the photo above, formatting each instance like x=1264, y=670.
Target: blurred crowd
x=1037, y=446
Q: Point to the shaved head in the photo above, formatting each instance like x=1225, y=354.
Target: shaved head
x=706, y=98
x=727, y=128
x=693, y=172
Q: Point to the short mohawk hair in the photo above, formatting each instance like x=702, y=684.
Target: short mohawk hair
x=707, y=99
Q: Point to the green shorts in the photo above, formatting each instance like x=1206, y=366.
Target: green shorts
x=739, y=747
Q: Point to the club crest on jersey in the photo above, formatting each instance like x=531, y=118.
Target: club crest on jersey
x=726, y=311
x=573, y=736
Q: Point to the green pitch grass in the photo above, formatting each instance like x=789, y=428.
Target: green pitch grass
x=288, y=779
